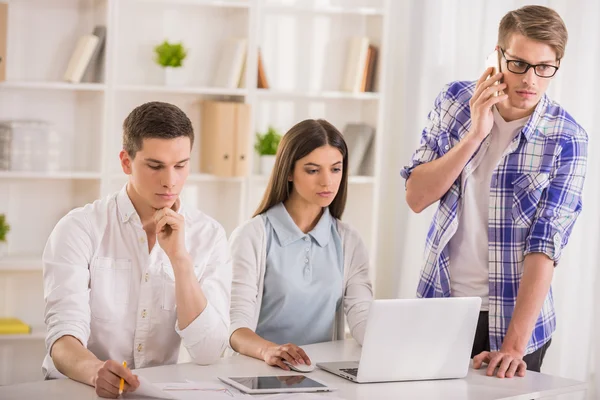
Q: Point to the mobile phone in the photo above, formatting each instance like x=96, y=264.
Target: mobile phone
x=493, y=60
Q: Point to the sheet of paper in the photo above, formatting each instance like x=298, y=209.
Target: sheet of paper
x=298, y=396
x=205, y=390
x=148, y=389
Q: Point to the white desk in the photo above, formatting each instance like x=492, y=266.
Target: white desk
x=476, y=386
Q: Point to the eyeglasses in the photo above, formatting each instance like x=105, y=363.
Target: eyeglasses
x=521, y=67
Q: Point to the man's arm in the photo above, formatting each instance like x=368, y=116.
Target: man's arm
x=189, y=297
x=74, y=360
x=202, y=301
x=538, y=270
x=429, y=181
x=66, y=261
x=557, y=211
x=80, y=364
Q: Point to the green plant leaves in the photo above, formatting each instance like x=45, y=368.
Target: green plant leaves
x=4, y=228
x=267, y=143
x=170, y=54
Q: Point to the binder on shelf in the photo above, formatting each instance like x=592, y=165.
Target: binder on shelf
x=224, y=135
x=3, y=39
x=216, y=138
x=358, y=137
x=231, y=63
x=81, y=57
x=13, y=326
x=241, y=166
x=355, y=64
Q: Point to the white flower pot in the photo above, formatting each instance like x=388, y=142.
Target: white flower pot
x=174, y=76
x=266, y=164
x=3, y=249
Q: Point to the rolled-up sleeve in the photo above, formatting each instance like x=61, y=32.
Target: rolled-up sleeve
x=66, y=278
x=205, y=338
x=428, y=149
x=358, y=293
x=561, y=202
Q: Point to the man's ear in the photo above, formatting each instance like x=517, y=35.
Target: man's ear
x=126, y=162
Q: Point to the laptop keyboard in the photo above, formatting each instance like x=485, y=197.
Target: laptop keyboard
x=350, y=371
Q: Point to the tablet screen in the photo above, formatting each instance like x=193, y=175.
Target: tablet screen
x=279, y=382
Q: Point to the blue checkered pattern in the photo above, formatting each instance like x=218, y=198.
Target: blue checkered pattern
x=535, y=198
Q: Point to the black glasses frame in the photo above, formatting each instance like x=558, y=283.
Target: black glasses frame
x=510, y=63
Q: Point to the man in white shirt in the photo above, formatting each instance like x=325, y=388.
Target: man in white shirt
x=130, y=276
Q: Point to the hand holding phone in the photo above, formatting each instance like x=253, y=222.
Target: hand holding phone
x=493, y=60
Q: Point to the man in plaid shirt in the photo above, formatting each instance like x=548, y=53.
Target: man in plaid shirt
x=508, y=170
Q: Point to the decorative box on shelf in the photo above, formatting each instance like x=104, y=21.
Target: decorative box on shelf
x=29, y=145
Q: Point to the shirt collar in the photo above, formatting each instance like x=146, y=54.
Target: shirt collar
x=530, y=127
x=124, y=205
x=126, y=208
x=288, y=232
x=322, y=231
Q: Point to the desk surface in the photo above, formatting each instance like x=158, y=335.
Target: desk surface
x=475, y=386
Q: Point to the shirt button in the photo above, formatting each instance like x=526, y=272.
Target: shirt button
x=142, y=240
x=307, y=249
x=306, y=238
x=306, y=260
x=140, y=347
x=446, y=147
x=146, y=277
x=144, y=313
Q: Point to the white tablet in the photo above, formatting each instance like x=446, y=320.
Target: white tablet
x=277, y=384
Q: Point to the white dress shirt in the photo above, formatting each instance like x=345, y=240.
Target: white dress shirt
x=103, y=286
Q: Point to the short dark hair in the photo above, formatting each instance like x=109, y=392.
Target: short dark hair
x=154, y=120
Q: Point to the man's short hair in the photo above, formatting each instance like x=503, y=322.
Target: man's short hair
x=538, y=23
x=154, y=120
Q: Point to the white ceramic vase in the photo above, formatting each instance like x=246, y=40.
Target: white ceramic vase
x=266, y=164
x=174, y=76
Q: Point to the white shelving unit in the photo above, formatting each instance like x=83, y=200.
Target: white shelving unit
x=303, y=44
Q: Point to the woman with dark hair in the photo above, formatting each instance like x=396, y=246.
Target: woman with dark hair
x=297, y=269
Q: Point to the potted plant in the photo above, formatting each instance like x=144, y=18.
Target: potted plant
x=4, y=228
x=170, y=56
x=266, y=146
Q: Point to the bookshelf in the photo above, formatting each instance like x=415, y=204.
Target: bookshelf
x=303, y=44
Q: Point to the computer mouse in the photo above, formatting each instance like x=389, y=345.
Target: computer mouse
x=300, y=367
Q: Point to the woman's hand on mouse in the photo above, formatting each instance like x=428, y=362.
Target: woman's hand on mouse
x=275, y=354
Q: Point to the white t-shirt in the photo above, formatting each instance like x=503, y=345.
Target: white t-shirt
x=468, y=248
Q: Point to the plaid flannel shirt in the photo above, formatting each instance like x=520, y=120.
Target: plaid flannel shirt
x=535, y=198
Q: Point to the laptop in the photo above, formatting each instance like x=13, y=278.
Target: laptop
x=414, y=339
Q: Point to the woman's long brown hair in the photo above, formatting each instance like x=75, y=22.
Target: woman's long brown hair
x=298, y=142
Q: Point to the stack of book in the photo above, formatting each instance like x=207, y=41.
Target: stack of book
x=86, y=60
x=361, y=66
x=261, y=82
x=13, y=326
x=359, y=139
x=232, y=60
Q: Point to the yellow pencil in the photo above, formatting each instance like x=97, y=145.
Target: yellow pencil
x=122, y=383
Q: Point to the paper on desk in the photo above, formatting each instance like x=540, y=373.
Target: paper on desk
x=205, y=390
x=148, y=389
x=297, y=396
